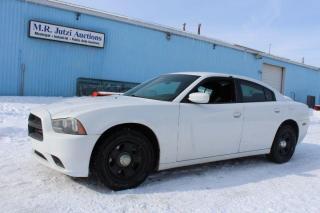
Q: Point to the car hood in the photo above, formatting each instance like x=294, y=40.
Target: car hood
x=75, y=106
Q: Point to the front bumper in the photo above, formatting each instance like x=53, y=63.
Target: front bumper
x=73, y=151
x=303, y=129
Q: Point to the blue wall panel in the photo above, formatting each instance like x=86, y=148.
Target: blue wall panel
x=10, y=46
x=299, y=81
x=131, y=53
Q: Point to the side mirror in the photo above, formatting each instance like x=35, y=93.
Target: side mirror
x=199, y=98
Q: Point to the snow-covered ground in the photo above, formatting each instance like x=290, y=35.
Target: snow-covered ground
x=243, y=185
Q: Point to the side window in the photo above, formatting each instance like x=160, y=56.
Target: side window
x=221, y=90
x=252, y=92
x=269, y=95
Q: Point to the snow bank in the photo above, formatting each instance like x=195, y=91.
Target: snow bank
x=242, y=185
x=314, y=116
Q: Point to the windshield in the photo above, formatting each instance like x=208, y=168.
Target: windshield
x=163, y=88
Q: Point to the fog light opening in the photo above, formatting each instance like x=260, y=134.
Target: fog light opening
x=57, y=161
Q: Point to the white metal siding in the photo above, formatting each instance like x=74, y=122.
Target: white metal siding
x=272, y=75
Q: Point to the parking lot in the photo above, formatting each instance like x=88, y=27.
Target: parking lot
x=248, y=184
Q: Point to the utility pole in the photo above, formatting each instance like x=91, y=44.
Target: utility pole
x=270, y=48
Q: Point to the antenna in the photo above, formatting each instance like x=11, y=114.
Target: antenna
x=199, y=29
x=184, y=26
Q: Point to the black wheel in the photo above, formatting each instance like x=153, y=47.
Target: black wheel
x=283, y=145
x=124, y=160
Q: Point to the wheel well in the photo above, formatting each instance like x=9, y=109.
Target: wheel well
x=293, y=124
x=134, y=126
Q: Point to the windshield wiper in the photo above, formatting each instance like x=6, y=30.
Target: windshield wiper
x=136, y=96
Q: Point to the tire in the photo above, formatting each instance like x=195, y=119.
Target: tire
x=124, y=160
x=284, y=145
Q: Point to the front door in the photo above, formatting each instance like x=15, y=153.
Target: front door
x=212, y=129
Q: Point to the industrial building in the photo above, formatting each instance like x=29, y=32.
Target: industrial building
x=46, y=47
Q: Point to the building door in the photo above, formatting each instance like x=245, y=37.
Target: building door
x=273, y=75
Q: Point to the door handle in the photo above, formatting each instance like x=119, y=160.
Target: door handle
x=237, y=114
x=276, y=110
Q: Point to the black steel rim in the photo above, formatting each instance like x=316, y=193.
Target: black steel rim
x=286, y=150
x=118, y=169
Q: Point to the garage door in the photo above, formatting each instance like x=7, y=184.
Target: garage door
x=273, y=75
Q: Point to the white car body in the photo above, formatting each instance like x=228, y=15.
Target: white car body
x=186, y=133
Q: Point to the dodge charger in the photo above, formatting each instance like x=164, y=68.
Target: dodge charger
x=173, y=120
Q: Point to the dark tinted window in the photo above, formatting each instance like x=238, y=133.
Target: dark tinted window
x=164, y=88
x=221, y=90
x=252, y=92
x=269, y=95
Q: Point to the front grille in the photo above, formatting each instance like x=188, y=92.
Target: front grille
x=35, y=127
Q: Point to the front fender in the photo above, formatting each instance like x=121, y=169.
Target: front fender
x=161, y=119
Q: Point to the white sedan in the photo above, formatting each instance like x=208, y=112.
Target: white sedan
x=171, y=121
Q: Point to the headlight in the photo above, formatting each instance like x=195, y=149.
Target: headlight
x=68, y=126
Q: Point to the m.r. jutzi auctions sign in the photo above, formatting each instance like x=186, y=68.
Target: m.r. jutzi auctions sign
x=65, y=34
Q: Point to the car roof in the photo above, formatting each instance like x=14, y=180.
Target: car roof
x=217, y=74
x=203, y=74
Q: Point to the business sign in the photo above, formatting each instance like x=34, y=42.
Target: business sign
x=65, y=34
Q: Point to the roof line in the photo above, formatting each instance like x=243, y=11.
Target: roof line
x=158, y=27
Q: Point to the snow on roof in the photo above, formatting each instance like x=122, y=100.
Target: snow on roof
x=120, y=18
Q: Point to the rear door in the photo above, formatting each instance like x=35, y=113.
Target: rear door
x=261, y=116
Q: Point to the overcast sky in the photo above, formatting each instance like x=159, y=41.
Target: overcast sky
x=291, y=26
